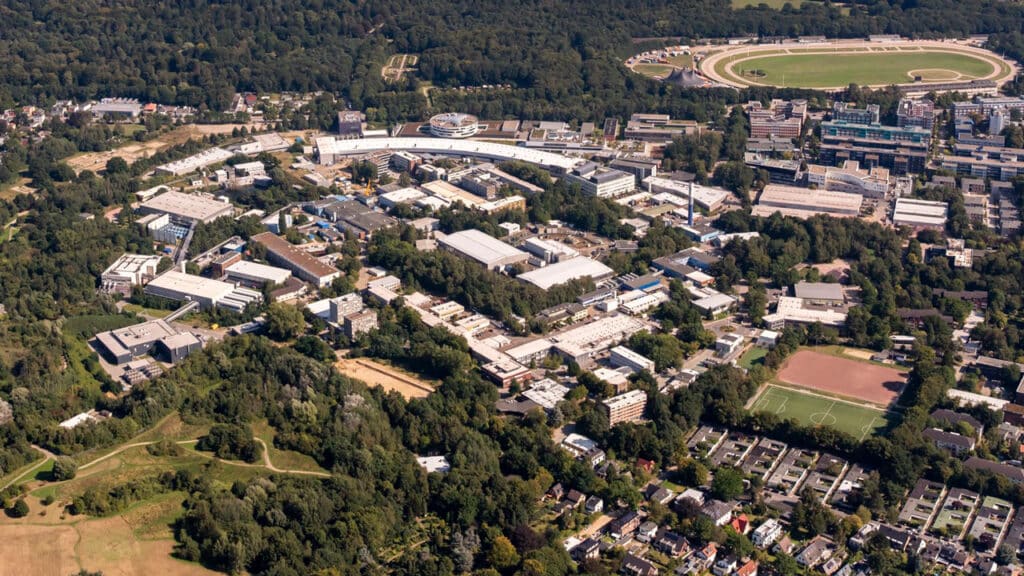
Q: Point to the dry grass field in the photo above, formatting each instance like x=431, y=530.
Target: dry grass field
x=97, y=161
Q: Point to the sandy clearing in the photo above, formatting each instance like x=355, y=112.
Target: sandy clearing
x=857, y=353
x=388, y=378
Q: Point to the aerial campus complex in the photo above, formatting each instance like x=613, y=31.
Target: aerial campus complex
x=760, y=315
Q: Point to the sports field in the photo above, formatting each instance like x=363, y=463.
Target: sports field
x=835, y=65
x=814, y=410
x=845, y=377
x=824, y=70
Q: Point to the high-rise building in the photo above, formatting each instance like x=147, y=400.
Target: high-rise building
x=920, y=113
x=628, y=407
x=843, y=112
x=350, y=124
x=997, y=121
x=781, y=119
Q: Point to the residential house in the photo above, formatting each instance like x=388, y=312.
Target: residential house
x=951, y=419
x=594, y=455
x=951, y=442
x=857, y=541
x=586, y=550
x=660, y=495
x=700, y=561
x=816, y=552
x=741, y=524
x=785, y=545
x=594, y=505
x=900, y=539
x=576, y=498
x=832, y=564
x=749, y=568
x=646, y=531
x=767, y=533
x=671, y=544
x=636, y=566
x=725, y=565
x=624, y=525
x=719, y=512
x=556, y=492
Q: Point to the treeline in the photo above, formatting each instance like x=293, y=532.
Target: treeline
x=405, y=340
x=566, y=63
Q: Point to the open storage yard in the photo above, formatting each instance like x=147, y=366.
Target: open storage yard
x=844, y=377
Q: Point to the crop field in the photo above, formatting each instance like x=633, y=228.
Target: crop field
x=836, y=65
x=815, y=410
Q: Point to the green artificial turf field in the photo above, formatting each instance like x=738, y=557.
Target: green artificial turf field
x=810, y=409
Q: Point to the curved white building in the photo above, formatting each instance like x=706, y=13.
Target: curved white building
x=330, y=150
x=454, y=125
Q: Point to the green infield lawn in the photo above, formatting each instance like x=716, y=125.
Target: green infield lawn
x=809, y=409
x=823, y=70
x=653, y=69
x=752, y=357
x=776, y=4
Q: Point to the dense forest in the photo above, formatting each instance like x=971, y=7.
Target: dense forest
x=559, y=59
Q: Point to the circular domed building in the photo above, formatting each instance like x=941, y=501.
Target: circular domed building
x=454, y=125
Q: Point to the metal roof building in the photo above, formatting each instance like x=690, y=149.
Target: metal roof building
x=483, y=248
x=303, y=264
x=330, y=150
x=246, y=271
x=919, y=213
x=194, y=162
x=804, y=202
x=565, y=271
x=187, y=207
x=819, y=291
x=181, y=287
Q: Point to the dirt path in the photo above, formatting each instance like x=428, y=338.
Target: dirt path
x=267, y=464
x=270, y=466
